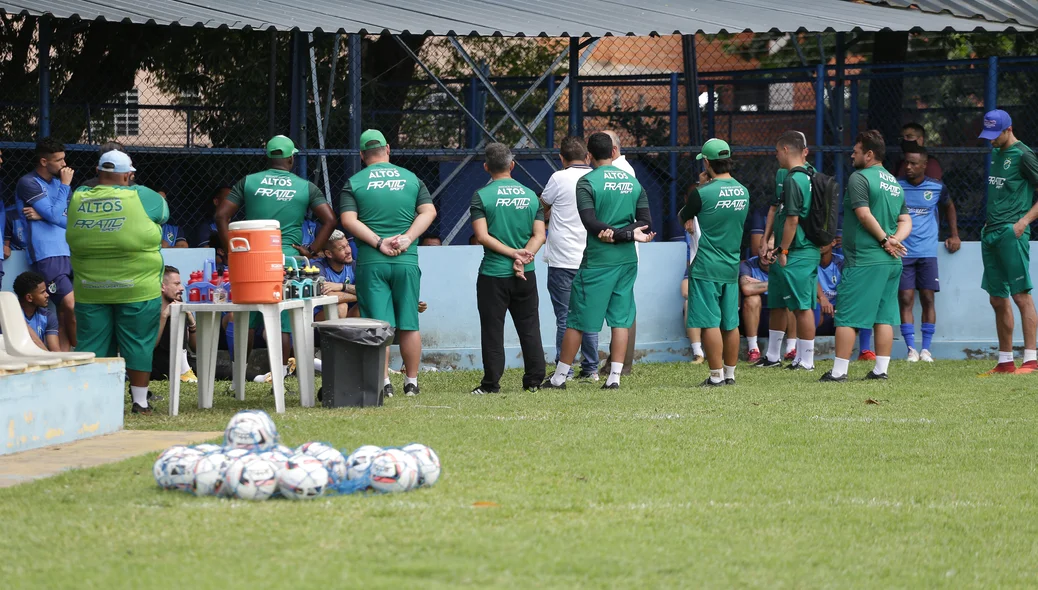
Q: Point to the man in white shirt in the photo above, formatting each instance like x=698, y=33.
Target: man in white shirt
x=564, y=248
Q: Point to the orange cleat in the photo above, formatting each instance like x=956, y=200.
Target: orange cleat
x=867, y=355
x=1007, y=367
x=1027, y=368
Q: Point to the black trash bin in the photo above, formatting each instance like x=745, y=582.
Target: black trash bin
x=353, y=355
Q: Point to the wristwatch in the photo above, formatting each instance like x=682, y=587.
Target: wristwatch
x=378, y=246
x=785, y=251
x=883, y=242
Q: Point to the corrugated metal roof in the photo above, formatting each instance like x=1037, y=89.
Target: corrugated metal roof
x=1023, y=12
x=552, y=18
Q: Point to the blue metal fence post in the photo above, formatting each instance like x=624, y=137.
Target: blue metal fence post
x=710, y=108
x=837, y=97
x=353, y=45
x=472, y=132
x=855, y=115
x=670, y=223
x=819, y=114
x=45, y=30
x=293, y=88
x=302, y=67
x=549, y=122
x=576, y=97
x=990, y=104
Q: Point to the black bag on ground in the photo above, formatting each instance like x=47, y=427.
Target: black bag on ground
x=820, y=224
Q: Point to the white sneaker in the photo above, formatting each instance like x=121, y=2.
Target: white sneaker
x=913, y=356
x=925, y=356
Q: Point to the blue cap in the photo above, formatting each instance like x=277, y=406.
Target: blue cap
x=115, y=161
x=995, y=122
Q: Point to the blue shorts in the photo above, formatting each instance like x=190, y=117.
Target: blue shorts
x=57, y=271
x=919, y=273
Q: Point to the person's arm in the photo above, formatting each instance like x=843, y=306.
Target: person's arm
x=693, y=205
x=751, y=286
x=50, y=334
x=482, y=231
x=155, y=207
x=794, y=201
x=823, y=301
x=947, y=207
x=35, y=337
x=769, y=230
x=1029, y=170
x=426, y=214
x=586, y=209
x=642, y=221
x=549, y=195
x=325, y=216
x=234, y=201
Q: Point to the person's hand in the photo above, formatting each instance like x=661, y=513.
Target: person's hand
x=781, y=259
x=1019, y=228
x=827, y=308
x=387, y=247
x=606, y=236
x=190, y=320
x=31, y=214
x=704, y=177
x=640, y=234
x=331, y=288
x=953, y=244
x=303, y=250
x=523, y=256
x=400, y=243
x=422, y=306
x=690, y=227
x=7, y=251
x=66, y=175
x=519, y=269
x=768, y=255
x=895, y=248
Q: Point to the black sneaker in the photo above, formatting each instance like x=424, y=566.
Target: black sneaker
x=709, y=383
x=828, y=378
x=138, y=409
x=549, y=385
x=587, y=376
x=154, y=397
x=478, y=391
x=531, y=389
x=729, y=381
x=795, y=366
x=764, y=363
x=871, y=376
x=410, y=389
x=612, y=386
x=387, y=390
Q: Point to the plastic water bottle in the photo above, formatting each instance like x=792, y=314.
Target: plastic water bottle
x=227, y=284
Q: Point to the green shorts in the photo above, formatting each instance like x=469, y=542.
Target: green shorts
x=1007, y=261
x=129, y=329
x=602, y=294
x=868, y=296
x=256, y=320
x=389, y=292
x=713, y=305
x=795, y=286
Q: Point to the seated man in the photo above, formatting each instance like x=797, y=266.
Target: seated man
x=172, y=292
x=431, y=240
x=172, y=235
x=338, y=269
x=31, y=289
x=753, y=285
x=830, y=271
x=310, y=228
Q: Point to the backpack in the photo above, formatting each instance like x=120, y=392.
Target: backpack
x=820, y=223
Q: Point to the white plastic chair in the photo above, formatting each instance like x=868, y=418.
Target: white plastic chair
x=18, y=342
x=32, y=363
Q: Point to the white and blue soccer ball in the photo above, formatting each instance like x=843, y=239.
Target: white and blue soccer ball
x=279, y=459
x=329, y=456
x=181, y=470
x=251, y=478
x=252, y=430
x=209, y=474
x=206, y=448
x=304, y=480
x=428, y=463
x=359, y=460
x=286, y=451
x=160, y=470
x=393, y=470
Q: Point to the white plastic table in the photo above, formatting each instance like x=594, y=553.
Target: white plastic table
x=208, y=320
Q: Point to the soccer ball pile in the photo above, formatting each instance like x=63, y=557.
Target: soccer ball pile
x=253, y=465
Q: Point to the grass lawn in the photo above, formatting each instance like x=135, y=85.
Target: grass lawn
x=778, y=482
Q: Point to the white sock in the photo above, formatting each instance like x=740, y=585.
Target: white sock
x=317, y=365
x=775, y=345
x=614, y=373
x=561, y=372
x=840, y=367
x=184, y=365
x=791, y=345
x=729, y=372
x=1005, y=357
x=697, y=348
x=385, y=382
x=751, y=343
x=285, y=370
x=882, y=362
x=716, y=375
x=806, y=353
x=410, y=380
x=1029, y=355
x=139, y=395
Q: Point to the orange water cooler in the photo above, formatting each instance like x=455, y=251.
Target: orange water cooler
x=255, y=261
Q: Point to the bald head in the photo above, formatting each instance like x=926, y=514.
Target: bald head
x=613, y=136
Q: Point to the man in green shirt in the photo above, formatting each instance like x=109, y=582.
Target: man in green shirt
x=793, y=278
x=1005, y=241
x=508, y=221
x=387, y=208
x=614, y=209
x=872, y=253
x=278, y=194
x=721, y=206
x=114, y=233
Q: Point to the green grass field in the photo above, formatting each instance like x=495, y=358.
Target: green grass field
x=778, y=482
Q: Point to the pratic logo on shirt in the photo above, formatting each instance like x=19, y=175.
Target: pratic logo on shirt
x=997, y=181
x=889, y=184
x=100, y=206
x=624, y=188
x=280, y=194
x=101, y=225
x=517, y=202
x=730, y=203
x=392, y=185
x=384, y=174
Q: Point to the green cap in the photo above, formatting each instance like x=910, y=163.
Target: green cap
x=280, y=146
x=372, y=135
x=715, y=149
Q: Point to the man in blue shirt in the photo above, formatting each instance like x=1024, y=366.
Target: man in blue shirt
x=830, y=272
x=753, y=286
x=337, y=268
x=172, y=235
x=923, y=196
x=44, y=193
x=309, y=228
x=31, y=289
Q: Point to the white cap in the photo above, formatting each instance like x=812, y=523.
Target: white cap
x=115, y=161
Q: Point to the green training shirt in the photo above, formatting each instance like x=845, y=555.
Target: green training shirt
x=1011, y=183
x=386, y=199
x=510, y=210
x=115, y=236
x=878, y=190
x=281, y=196
x=615, y=197
x=721, y=207
x=793, y=197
